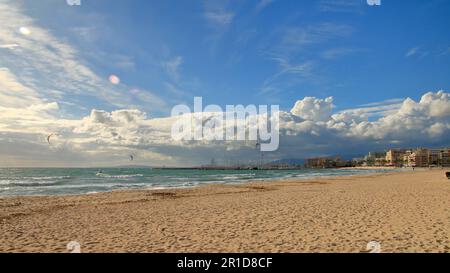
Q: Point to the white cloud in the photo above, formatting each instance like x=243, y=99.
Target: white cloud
x=444, y=52
x=385, y=102
x=336, y=53
x=302, y=69
x=9, y=46
x=172, y=67
x=13, y=93
x=292, y=53
x=219, y=18
x=288, y=73
x=218, y=14
x=376, y=109
x=340, y=5
x=44, y=74
x=299, y=37
x=413, y=51
x=311, y=128
x=314, y=109
x=52, y=66
x=262, y=4
x=436, y=105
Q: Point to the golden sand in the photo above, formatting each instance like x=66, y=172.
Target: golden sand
x=405, y=212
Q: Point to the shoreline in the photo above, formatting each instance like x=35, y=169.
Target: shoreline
x=182, y=188
x=242, y=182
x=404, y=211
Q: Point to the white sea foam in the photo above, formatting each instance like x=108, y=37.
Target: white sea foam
x=27, y=183
x=120, y=176
x=39, y=182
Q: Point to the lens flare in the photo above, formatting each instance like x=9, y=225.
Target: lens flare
x=114, y=79
x=25, y=31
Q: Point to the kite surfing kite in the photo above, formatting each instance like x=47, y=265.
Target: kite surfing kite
x=49, y=137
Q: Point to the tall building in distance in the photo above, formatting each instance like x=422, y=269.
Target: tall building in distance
x=395, y=157
x=324, y=162
x=375, y=159
x=444, y=158
x=420, y=157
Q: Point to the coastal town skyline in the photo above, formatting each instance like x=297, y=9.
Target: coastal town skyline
x=400, y=157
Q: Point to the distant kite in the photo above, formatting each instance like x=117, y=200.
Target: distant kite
x=48, y=138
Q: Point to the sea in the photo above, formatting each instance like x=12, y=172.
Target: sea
x=62, y=181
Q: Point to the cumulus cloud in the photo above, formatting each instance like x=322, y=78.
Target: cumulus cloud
x=436, y=104
x=311, y=128
x=314, y=109
x=411, y=122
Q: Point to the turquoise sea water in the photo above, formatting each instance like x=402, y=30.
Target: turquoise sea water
x=40, y=181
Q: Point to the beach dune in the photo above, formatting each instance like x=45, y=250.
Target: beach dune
x=404, y=212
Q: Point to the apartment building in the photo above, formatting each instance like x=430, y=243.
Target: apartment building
x=419, y=158
x=444, y=158
x=323, y=162
x=395, y=157
x=375, y=159
x=434, y=157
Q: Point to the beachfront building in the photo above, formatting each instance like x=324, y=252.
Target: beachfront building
x=419, y=158
x=408, y=159
x=358, y=161
x=433, y=157
x=427, y=157
x=375, y=159
x=444, y=158
x=323, y=162
x=395, y=157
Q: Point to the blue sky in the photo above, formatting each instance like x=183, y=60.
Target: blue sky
x=370, y=59
x=236, y=51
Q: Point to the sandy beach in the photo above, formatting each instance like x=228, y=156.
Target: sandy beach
x=405, y=212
